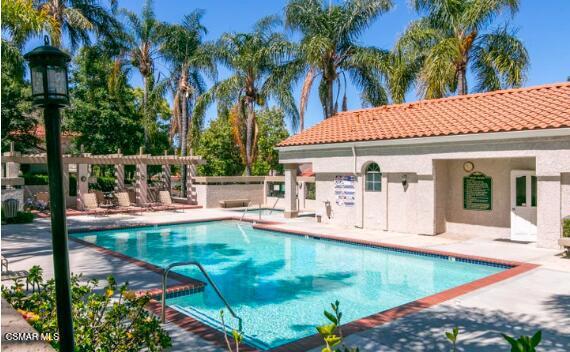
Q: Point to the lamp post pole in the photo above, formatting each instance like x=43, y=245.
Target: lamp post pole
x=48, y=72
x=59, y=228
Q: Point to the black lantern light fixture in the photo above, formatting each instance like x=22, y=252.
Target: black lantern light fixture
x=48, y=72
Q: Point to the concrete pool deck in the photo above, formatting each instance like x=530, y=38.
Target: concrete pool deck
x=538, y=299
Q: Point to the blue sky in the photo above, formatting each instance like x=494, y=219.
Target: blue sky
x=542, y=26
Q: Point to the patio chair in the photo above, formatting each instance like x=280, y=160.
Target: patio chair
x=165, y=201
x=10, y=208
x=90, y=204
x=125, y=204
x=8, y=274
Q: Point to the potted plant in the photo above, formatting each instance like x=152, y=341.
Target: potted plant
x=565, y=240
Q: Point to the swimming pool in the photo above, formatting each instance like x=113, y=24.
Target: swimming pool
x=280, y=284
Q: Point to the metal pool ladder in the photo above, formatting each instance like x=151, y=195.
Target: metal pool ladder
x=208, y=278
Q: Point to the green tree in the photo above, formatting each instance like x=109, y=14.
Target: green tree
x=18, y=123
x=452, y=37
x=103, y=109
x=255, y=60
x=142, y=43
x=272, y=130
x=216, y=145
x=20, y=21
x=329, y=50
x=78, y=19
x=183, y=49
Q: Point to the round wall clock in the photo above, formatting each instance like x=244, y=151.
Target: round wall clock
x=468, y=166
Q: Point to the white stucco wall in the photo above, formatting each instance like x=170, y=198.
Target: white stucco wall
x=418, y=209
x=495, y=222
x=209, y=195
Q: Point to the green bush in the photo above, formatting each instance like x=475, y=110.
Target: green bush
x=35, y=179
x=566, y=228
x=72, y=185
x=114, y=320
x=22, y=217
x=104, y=184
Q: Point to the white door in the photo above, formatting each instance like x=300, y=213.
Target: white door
x=523, y=205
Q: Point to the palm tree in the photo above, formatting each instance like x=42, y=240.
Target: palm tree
x=143, y=40
x=256, y=60
x=329, y=49
x=451, y=38
x=77, y=19
x=183, y=48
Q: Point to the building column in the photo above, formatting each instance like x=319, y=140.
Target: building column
x=66, y=180
x=549, y=215
x=119, y=177
x=82, y=183
x=12, y=168
x=190, y=189
x=291, y=210
x=141, y=185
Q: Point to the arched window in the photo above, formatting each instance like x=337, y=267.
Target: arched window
x=373, y=178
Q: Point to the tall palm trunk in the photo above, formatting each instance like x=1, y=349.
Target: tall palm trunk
x=249, y=136
x=146, y=88
x=462, y=80
x=329, y=103
x=184, y=130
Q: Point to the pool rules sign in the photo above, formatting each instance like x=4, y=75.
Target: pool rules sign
x=477, y=192
x=345, y=190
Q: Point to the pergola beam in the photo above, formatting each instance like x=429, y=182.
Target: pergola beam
x=110, y=159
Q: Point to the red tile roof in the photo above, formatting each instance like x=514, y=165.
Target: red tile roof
x=539, y=107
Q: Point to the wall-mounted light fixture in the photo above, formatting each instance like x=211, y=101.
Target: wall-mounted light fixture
x=404, y=180
x=83, y=178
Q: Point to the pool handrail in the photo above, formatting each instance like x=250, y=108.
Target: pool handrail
x=245, y=211
x=273, y=207
x=210, y=281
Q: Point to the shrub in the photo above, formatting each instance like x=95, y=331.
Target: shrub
x=104, y=184
x=566, y=227
x=35, y=179
x=101, y=321
x=22, y=217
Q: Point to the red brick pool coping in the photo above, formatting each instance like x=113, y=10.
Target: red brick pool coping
x=304, y=344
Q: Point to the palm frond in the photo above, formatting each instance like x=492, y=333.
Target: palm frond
x=500, y=61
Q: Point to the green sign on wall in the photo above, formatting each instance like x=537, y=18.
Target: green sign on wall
x=477, y=192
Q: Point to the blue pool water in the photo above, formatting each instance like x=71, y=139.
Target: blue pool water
x=280, y=284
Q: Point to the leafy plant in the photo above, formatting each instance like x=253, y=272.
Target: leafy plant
x=35, y=277
x=566, y=227
x=114, y=320
x=22, y=217
x=452, y=337
x=332, y=333
x=524, y=343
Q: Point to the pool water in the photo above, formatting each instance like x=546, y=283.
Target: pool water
x=280, y=284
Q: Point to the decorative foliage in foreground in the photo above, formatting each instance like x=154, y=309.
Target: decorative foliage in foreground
x=102, y=321
x=329, y=331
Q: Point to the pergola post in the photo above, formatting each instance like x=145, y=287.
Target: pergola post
x=291, y=209
x=166, y=174
x=82, y=182
x=12, y=168
x=66, y=180
x=119, y=175
x=141, y=185
x=190, y=190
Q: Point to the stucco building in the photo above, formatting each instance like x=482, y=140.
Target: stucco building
x=493, y=164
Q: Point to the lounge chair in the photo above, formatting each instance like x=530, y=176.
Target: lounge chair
x=12, y=275
x=125, y=204
x=90, y=204
x=165, y=201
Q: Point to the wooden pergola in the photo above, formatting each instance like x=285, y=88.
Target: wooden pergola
x=14, y=159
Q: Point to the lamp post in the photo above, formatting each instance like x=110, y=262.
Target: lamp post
x=48, y=71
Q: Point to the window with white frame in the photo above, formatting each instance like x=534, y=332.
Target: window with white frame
x=373, y=178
